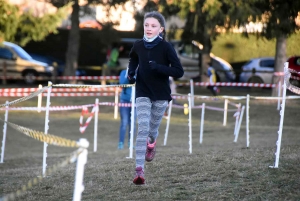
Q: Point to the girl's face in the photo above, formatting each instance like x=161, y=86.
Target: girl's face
x=152, y=27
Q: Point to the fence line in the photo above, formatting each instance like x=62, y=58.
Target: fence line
x=44, y=137
x=294, y=89
x=81, y=154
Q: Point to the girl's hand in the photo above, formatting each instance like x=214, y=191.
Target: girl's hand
x=153, y=65
x=131, y=79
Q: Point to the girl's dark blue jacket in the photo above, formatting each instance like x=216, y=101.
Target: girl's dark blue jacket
x=150, y=83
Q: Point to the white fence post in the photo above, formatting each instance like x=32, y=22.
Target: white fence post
x=278, y=143
x=237, y=114
x=4, y=133
x=81, y=161
x=247, y=120
x=202, y=123
x=132, y=123
x=168, y=122
x=192, y=92
x=279, y=94
x=96, y=124
x=225, y=112
x=46, y=128
x=190, y=123
x=39, y=105
x=239, y=125
x=116, y=103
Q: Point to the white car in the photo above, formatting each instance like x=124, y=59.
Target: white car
x=189, y=58
x=19, y=63
x=258, y=70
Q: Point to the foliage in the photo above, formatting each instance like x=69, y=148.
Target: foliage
x=74, y=35
x=9, y=21
x=139, y=16
x=234, y=47
x=207, y=17
x=279, y=16
x=204, y=17
x=280, y=23
x=43, y=26
x=23, y=27
x=167, y=9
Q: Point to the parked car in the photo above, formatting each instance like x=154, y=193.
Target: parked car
x=188, y=55
x=19, y=63
x=57, y=63
x=189, y=58
x=258, y=70
x=294, y=63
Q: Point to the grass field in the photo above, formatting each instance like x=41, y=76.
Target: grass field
x=217, y=169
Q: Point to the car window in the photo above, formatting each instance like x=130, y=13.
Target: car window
x=249, y=62
x=269, y=63
x=216, y=64
x=188, y=50
x=5, y=53
x=22, y=53
x=297, y=61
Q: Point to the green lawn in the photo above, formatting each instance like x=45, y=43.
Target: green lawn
x=217, y=169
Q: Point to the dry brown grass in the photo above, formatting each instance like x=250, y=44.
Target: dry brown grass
x=218, y=169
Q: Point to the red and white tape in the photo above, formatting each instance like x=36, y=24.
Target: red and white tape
x=114, y=104
x=65, y=78
x=53, y=108
x=84, y=111
x=230, y=84
x=295, y=77
x=73, y=92
x=89, y=77
x=26, y=90
x=21, y=94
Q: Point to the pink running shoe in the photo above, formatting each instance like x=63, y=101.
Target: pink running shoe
x=150, y=152
x=139, y=176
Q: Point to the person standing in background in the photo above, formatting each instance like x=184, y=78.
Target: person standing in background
x=212, y=80
x=125, y=112
x=110, y=67
x=113, y=58
x=156, y=60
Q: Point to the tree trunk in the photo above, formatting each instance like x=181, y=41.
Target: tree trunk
x=73, y=43
x=280, y=59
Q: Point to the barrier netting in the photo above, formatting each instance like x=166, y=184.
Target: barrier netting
x=70, y=159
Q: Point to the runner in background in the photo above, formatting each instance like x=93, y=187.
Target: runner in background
x=212, y=80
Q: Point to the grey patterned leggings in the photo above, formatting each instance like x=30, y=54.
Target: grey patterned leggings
x=149, y=116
